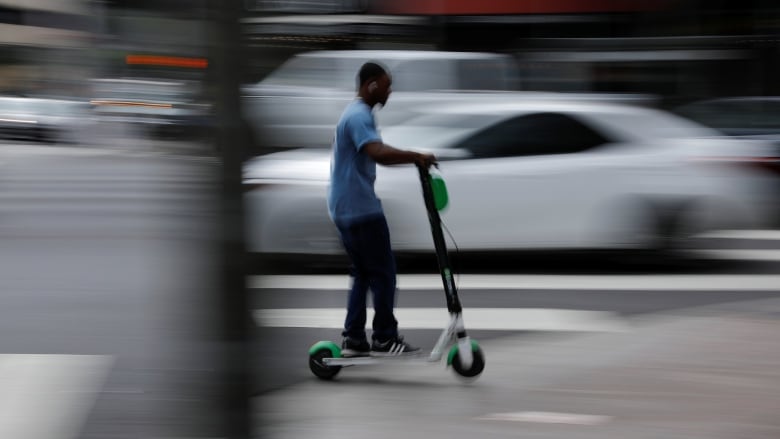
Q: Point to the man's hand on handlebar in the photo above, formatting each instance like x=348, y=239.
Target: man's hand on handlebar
x=426, y=160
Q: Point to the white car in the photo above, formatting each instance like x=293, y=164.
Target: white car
x=44, y=119
x=539, y=174
x=167, y=109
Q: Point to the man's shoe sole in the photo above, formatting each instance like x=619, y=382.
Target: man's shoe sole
x=349, y=353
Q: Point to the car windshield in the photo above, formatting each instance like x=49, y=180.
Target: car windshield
x=315, y=72
x=435, y=131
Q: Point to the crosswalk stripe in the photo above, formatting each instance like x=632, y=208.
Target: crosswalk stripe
x=767, y=234
x=548, y=418
x=643, y=282
x=496, y=319
x=48, y=396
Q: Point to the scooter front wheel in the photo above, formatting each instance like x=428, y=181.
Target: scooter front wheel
x=477, y=363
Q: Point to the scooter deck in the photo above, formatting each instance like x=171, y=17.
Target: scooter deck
x=367, y=360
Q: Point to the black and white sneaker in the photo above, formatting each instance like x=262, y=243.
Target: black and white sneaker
x=354, y=347
x=393, y=347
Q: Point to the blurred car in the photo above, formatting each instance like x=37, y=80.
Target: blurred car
x=544, y=174
x=745, y=117
x=740, y=116
x=159, y=108
x=299, y=103
x=43, y=119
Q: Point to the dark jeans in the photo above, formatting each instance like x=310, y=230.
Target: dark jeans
x=373, y=267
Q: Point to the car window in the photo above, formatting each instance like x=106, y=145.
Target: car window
x=484, y=74
x=533, y=134
x=314, y=72
x=421, y=75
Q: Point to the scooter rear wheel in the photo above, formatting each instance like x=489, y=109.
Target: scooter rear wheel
x=318, y=366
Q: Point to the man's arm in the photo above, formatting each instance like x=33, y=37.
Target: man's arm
x=387, y=155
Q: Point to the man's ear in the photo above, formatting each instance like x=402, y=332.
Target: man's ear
x=372, y=86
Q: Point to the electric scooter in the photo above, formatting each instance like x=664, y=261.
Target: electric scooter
x=465, y=356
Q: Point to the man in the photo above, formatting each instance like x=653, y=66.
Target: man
x=357, y=213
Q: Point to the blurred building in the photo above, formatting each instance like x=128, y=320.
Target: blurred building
x=43, y=45
x=168, y=31
x=677, y=49
x=53, y=46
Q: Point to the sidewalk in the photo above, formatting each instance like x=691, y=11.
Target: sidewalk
x=702, y=373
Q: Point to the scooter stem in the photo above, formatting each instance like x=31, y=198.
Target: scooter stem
x=451, y=292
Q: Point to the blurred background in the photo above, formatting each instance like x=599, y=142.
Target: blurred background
x=107, y=53
x=147, y=215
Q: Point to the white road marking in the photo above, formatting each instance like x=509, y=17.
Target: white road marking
x=768, y=234
x=548, y=418
x=48, y=396
x=643, y=282
x=498, y=319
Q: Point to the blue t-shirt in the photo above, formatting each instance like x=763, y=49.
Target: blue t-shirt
x=351, y=196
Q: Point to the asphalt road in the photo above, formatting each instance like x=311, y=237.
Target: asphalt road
x=108, y=259
x=108, y=273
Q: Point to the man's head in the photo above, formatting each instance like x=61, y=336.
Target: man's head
x=374, y=84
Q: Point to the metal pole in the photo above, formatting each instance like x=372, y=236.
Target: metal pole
x=236, y=324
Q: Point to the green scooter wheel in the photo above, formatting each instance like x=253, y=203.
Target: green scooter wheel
x=318, y=353
x=477, y=363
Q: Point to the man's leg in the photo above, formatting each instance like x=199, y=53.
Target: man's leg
x=355, y=322
x=380, y=268
x=376, y=263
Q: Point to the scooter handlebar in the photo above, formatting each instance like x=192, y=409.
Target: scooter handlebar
x=424, y=167
x=424, y=171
